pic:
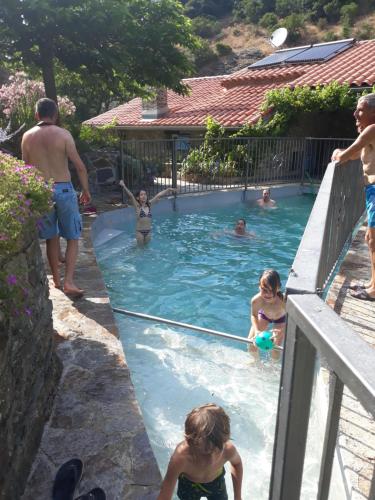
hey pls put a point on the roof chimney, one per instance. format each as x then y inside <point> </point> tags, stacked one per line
<point>155,107</point>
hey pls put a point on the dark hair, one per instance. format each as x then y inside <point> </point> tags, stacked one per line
<point>243,220</point>
<point>207,427</point>
<point>46,108</point>
<point>271,279</point>
<point>137,196</point>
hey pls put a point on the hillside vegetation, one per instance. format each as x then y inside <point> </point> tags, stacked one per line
<point>235,33</point>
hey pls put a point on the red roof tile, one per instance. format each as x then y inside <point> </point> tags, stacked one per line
<point>233,100</point>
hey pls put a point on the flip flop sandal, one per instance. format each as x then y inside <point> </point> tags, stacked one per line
<point>357,286</point>
<point>89,210</point>
<point>362,295</point>
<point>95,494</point>
<point>67,479</point>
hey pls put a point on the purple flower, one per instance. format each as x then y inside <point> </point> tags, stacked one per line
<point>28,202</point>
<point>12,279</point>
<point>28,311</point>
<point>4,237</point>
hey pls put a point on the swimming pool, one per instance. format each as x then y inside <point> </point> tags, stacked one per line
<point>194,272</point>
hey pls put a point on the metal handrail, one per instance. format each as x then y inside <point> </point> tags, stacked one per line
<point>314,329</point>
<point>188,326</point>
<point>329,227</point>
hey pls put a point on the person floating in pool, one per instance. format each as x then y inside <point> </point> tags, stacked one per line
<point>198,462</point>
<point>240,230</point>
<point>268,308</point>
<point>265,201</point>
<point>143,213</point>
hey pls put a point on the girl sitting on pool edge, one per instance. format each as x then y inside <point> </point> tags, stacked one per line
<point>268,306</point>
<point>142,207</point>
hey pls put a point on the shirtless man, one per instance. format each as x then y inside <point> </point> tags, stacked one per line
<point>49,147</point>
<point>364,148</point>
<point>265,201</point>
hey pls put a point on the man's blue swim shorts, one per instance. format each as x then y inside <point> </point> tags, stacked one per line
<point>64,219</point>
<point>370,205</point>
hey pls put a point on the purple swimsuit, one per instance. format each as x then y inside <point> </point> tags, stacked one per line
<point>262,315</point>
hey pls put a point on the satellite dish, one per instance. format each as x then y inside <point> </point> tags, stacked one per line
<point>278,37</point>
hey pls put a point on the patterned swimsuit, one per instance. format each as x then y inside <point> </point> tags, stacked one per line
<point>142,214</point>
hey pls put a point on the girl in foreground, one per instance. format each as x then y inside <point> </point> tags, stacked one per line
<point>143,213</point>
<point>198,462</point>
<point>268,306</point>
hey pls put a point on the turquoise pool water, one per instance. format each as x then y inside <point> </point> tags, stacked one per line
<point>194,272</point>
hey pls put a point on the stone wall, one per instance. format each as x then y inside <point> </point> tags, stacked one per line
<point>29,370</point>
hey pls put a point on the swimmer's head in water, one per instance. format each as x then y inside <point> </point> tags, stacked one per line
<point>270,284</point>
<point>240,227</point>
<point>266,195</point>
<point>141,197</point>
<point>206,428</point>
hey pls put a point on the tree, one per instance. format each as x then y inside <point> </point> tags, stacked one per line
<point>127,44</point>
<point>252,10</point>
<point>215,8</point>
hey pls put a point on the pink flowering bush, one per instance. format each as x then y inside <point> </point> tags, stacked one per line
<point>18,98</point>
<point>24,198</point>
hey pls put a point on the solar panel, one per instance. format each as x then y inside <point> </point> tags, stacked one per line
<point>321,52</point>
<point>278,57</point>
<point>308,53</point>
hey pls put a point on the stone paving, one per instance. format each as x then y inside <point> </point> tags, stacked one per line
<point>357,427</point>
<point>96,416</point>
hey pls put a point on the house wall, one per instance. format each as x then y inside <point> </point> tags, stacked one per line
<point>324,124</point>
<point>157,135</point>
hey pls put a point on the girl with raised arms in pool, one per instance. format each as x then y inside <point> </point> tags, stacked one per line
<point>268,308</point>
<point>143,213</point>
<point>197,463</point>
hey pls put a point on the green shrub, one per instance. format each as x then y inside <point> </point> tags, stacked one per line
<point>330,36</point>
<point>332,11</point>
<point>211,159</point>
<point>206,27</point>
<point>294,24</point>
<point>204,54</point>
<point>223,50</point>
<point>287,104</point>
<point>322,24</point>
<point>365,31</point>
<point>346,30</point>
<point>104,135</point>
<point>284,8</point>
<point>269,20</point>
<point>24,196</point>
<point>348,13</point>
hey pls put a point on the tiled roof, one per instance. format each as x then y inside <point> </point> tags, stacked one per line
<point>233,100</point>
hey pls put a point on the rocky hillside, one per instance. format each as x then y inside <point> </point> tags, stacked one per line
<point>236,45</point>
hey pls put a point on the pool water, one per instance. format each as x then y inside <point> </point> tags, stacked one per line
<point>194,271</point>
